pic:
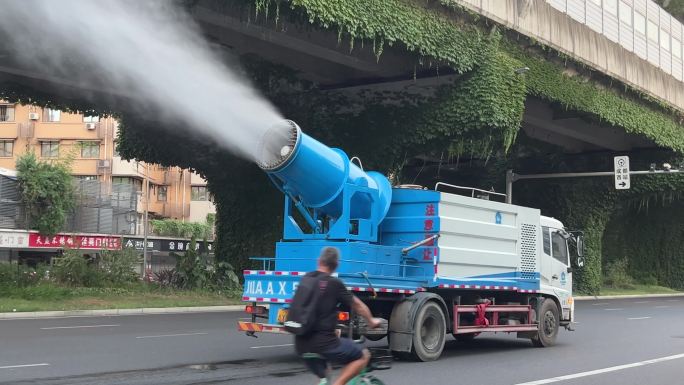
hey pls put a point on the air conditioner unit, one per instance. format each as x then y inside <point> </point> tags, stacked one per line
<point>103,163</point>
<point>34,116</point>
<point>91,126</point>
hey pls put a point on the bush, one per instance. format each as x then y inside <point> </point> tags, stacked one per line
<point>73,269</point>
<point>16,275</point>
<point>617,275</point>
<point>118,266</point>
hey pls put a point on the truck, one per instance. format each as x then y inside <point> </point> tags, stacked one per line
<point>429,262</point>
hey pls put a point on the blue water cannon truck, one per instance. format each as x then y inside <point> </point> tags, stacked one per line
<point>431,263</point>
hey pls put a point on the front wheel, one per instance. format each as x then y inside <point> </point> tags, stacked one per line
<point>549,322</point>
<point>429,332</point>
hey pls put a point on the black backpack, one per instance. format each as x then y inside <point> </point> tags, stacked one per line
<point>302,316</point>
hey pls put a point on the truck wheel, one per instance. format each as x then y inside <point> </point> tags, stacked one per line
<point>429,332</point>
<point>549,322</point>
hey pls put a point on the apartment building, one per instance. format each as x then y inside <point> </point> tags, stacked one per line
<point>90,141</point>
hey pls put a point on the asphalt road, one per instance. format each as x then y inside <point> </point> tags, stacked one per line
<point>627,342</point>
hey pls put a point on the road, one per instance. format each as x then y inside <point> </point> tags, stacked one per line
<point>626,341</point>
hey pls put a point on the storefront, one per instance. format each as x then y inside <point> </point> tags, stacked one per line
<point>162,251</point>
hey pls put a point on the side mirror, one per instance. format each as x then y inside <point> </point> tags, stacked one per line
<point>580,245</point>
<point>580,262</point>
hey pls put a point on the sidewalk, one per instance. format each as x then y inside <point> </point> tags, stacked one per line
<point>209,309</point>
<point>118,312</point>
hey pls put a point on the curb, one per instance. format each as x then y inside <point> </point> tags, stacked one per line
<point>118,312</point>
<point>592,297</point>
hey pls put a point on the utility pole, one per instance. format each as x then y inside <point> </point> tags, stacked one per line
<point>145,221</point>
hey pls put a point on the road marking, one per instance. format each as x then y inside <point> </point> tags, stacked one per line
<point>23,366</point>
<point>672,300</point>
<point>661,306</point>
<point>269,346</point>
<point>643,302</point>
<point>173,335</point>
<point>635,318</point>
<point>604,370</point>
<point>617,308</point>
<point>600,303</point>
<point>80,327</point>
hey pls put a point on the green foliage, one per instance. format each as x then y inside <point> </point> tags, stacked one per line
<point>547,80</point>
<point>72,269</point>
<point>424,31</point>
<point>617,275</point>
<point>46,191</point>
<point>177,228</point>
<point>118,266</point>
<point>15,275</point>
<point>651,240</point>
<point>195,271</point>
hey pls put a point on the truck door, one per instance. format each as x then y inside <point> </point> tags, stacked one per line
<point>556,262</point>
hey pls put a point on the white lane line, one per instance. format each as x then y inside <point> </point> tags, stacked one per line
<point>643,302</point>
<point>600,303</point>
<point>661,306</point>
<point>23,366</point>
<point>604,370</point>
<point>79,327</point>
<point>269,346</point>
<point>617,308</point>
<point>173,335</point>
<point>635,318</point>
<point>673,300</point>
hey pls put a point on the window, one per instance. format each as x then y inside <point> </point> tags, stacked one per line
<point>6,148</point>
<point>85,177</point>
<point>49,149</point>
<point>128,180</point>
<point>90,150</point>
<point>199,193</point>
<point>52,115</point>
<point>652,31</point>
<point>161,193</point>
<point>6,113</point>
<point>611,6</point>
<point>547,240</point>
<point>639,23</point>
<point>676,48</point>
<point>91,119</point>
<point>664,40</point>
<point>597,2</point>
<point>625,13</point>
<point>560,248</point>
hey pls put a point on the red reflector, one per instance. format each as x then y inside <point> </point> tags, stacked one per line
<point>342,316</point>
<point>250,309</point>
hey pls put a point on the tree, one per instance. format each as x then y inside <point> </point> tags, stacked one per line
<point>47,192</point>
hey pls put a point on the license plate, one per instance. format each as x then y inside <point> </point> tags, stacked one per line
<point>282,316</point>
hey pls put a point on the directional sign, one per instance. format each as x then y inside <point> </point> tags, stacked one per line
<point>622,179</point>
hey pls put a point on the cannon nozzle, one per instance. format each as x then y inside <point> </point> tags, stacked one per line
<point>278,145</point>
<point>317,176</point>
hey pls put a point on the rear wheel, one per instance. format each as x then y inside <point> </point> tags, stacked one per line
<point>549,322</point>
<point>429,332</point>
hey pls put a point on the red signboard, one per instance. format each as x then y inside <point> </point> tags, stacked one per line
<point>74,241</point>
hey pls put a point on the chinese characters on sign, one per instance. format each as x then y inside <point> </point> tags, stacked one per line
<point>94,242</point>
<point>622,179</point>
<point>173,245</point>
<point>9,239</point>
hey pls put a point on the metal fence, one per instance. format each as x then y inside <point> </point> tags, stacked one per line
<point>99,208</point>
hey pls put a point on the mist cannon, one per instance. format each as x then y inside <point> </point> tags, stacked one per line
<point>335,197</point>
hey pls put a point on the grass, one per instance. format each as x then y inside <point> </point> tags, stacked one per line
<point>52,297</point>
<point>638,289</point>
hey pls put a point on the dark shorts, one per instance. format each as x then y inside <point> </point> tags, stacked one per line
<point>346,352</point>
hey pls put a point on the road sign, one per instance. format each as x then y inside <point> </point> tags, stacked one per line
<point>622,179</point>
